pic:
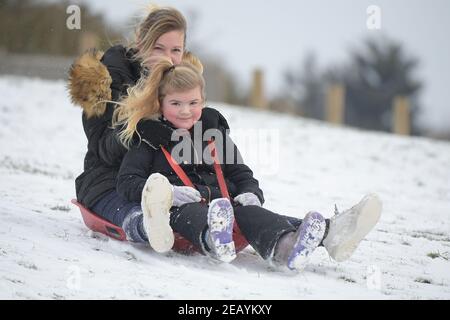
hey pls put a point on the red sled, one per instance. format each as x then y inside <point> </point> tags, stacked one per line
<point>181,245</point>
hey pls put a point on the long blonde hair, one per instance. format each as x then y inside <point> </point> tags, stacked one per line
<point>159,21</point>
<point>144,100</point>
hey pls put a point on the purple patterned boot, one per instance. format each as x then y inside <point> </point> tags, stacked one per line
<point>220,232</point>
<point>293,249</point>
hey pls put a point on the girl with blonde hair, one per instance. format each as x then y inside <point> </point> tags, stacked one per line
<point>201,199</point>
<point>98,77</point>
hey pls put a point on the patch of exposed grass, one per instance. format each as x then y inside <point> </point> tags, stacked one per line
<point>60,208</point>
<point>430,235</point>
<point>346,279</point>
<point>434,255</point>
<point>27,265</point>
<point>423,280</point>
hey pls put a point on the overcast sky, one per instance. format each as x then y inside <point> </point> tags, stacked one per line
<point>276,34</point>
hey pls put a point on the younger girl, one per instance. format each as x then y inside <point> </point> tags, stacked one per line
<point>203,213</point>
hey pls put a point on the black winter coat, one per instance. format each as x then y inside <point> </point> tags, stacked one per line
<point>105,152</point>
<point>146,158</point>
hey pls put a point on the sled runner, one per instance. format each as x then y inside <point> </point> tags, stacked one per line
<point>98,224</point>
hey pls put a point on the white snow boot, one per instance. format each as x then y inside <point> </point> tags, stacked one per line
<point>157,199</point>
<point>348,228</point>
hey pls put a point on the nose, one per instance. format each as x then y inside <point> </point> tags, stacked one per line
<point>185,109</point>
<point>168,55</point>
<point>172,57</point>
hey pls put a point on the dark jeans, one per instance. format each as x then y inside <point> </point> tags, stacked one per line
<point>122,213</point>
<point>261,228</point>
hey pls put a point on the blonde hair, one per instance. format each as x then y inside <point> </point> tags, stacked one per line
<point>144,100</point>
<point>159,21</point>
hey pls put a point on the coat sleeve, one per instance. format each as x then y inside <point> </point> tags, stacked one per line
<point>103,140</point>
<point>134,171</point>
<point>118,65</point>
<point>238,172</point>
<point>108,147</point>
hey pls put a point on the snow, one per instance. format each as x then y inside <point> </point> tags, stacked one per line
<point>46,252</point>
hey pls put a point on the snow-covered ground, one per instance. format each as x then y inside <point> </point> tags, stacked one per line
<point>46,252</point>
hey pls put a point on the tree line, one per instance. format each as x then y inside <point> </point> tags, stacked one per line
<point>376,72</point>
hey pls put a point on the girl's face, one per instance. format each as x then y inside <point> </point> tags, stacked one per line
<point>170,45</point>
<point>183,109</point>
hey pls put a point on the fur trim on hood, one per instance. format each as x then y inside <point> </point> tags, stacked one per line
<point>89,83</point>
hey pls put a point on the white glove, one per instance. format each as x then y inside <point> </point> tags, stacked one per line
<point>183,195</point>
<point>248,199</point>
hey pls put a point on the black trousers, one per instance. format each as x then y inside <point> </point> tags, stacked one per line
<point>260,227</point>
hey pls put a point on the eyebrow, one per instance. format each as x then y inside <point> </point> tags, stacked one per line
<point>193,100</point>
<point>161,45</point>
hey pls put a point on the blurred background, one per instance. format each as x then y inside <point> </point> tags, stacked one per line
<point>382,65</point>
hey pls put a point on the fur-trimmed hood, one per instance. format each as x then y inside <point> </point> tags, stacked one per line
<point>89,83</point>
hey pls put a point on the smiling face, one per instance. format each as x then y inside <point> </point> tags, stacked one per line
<point>170,45</point>
<point>183,109</point>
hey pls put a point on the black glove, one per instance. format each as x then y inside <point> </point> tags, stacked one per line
<point>154,132</point>
<point>213,119</point>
